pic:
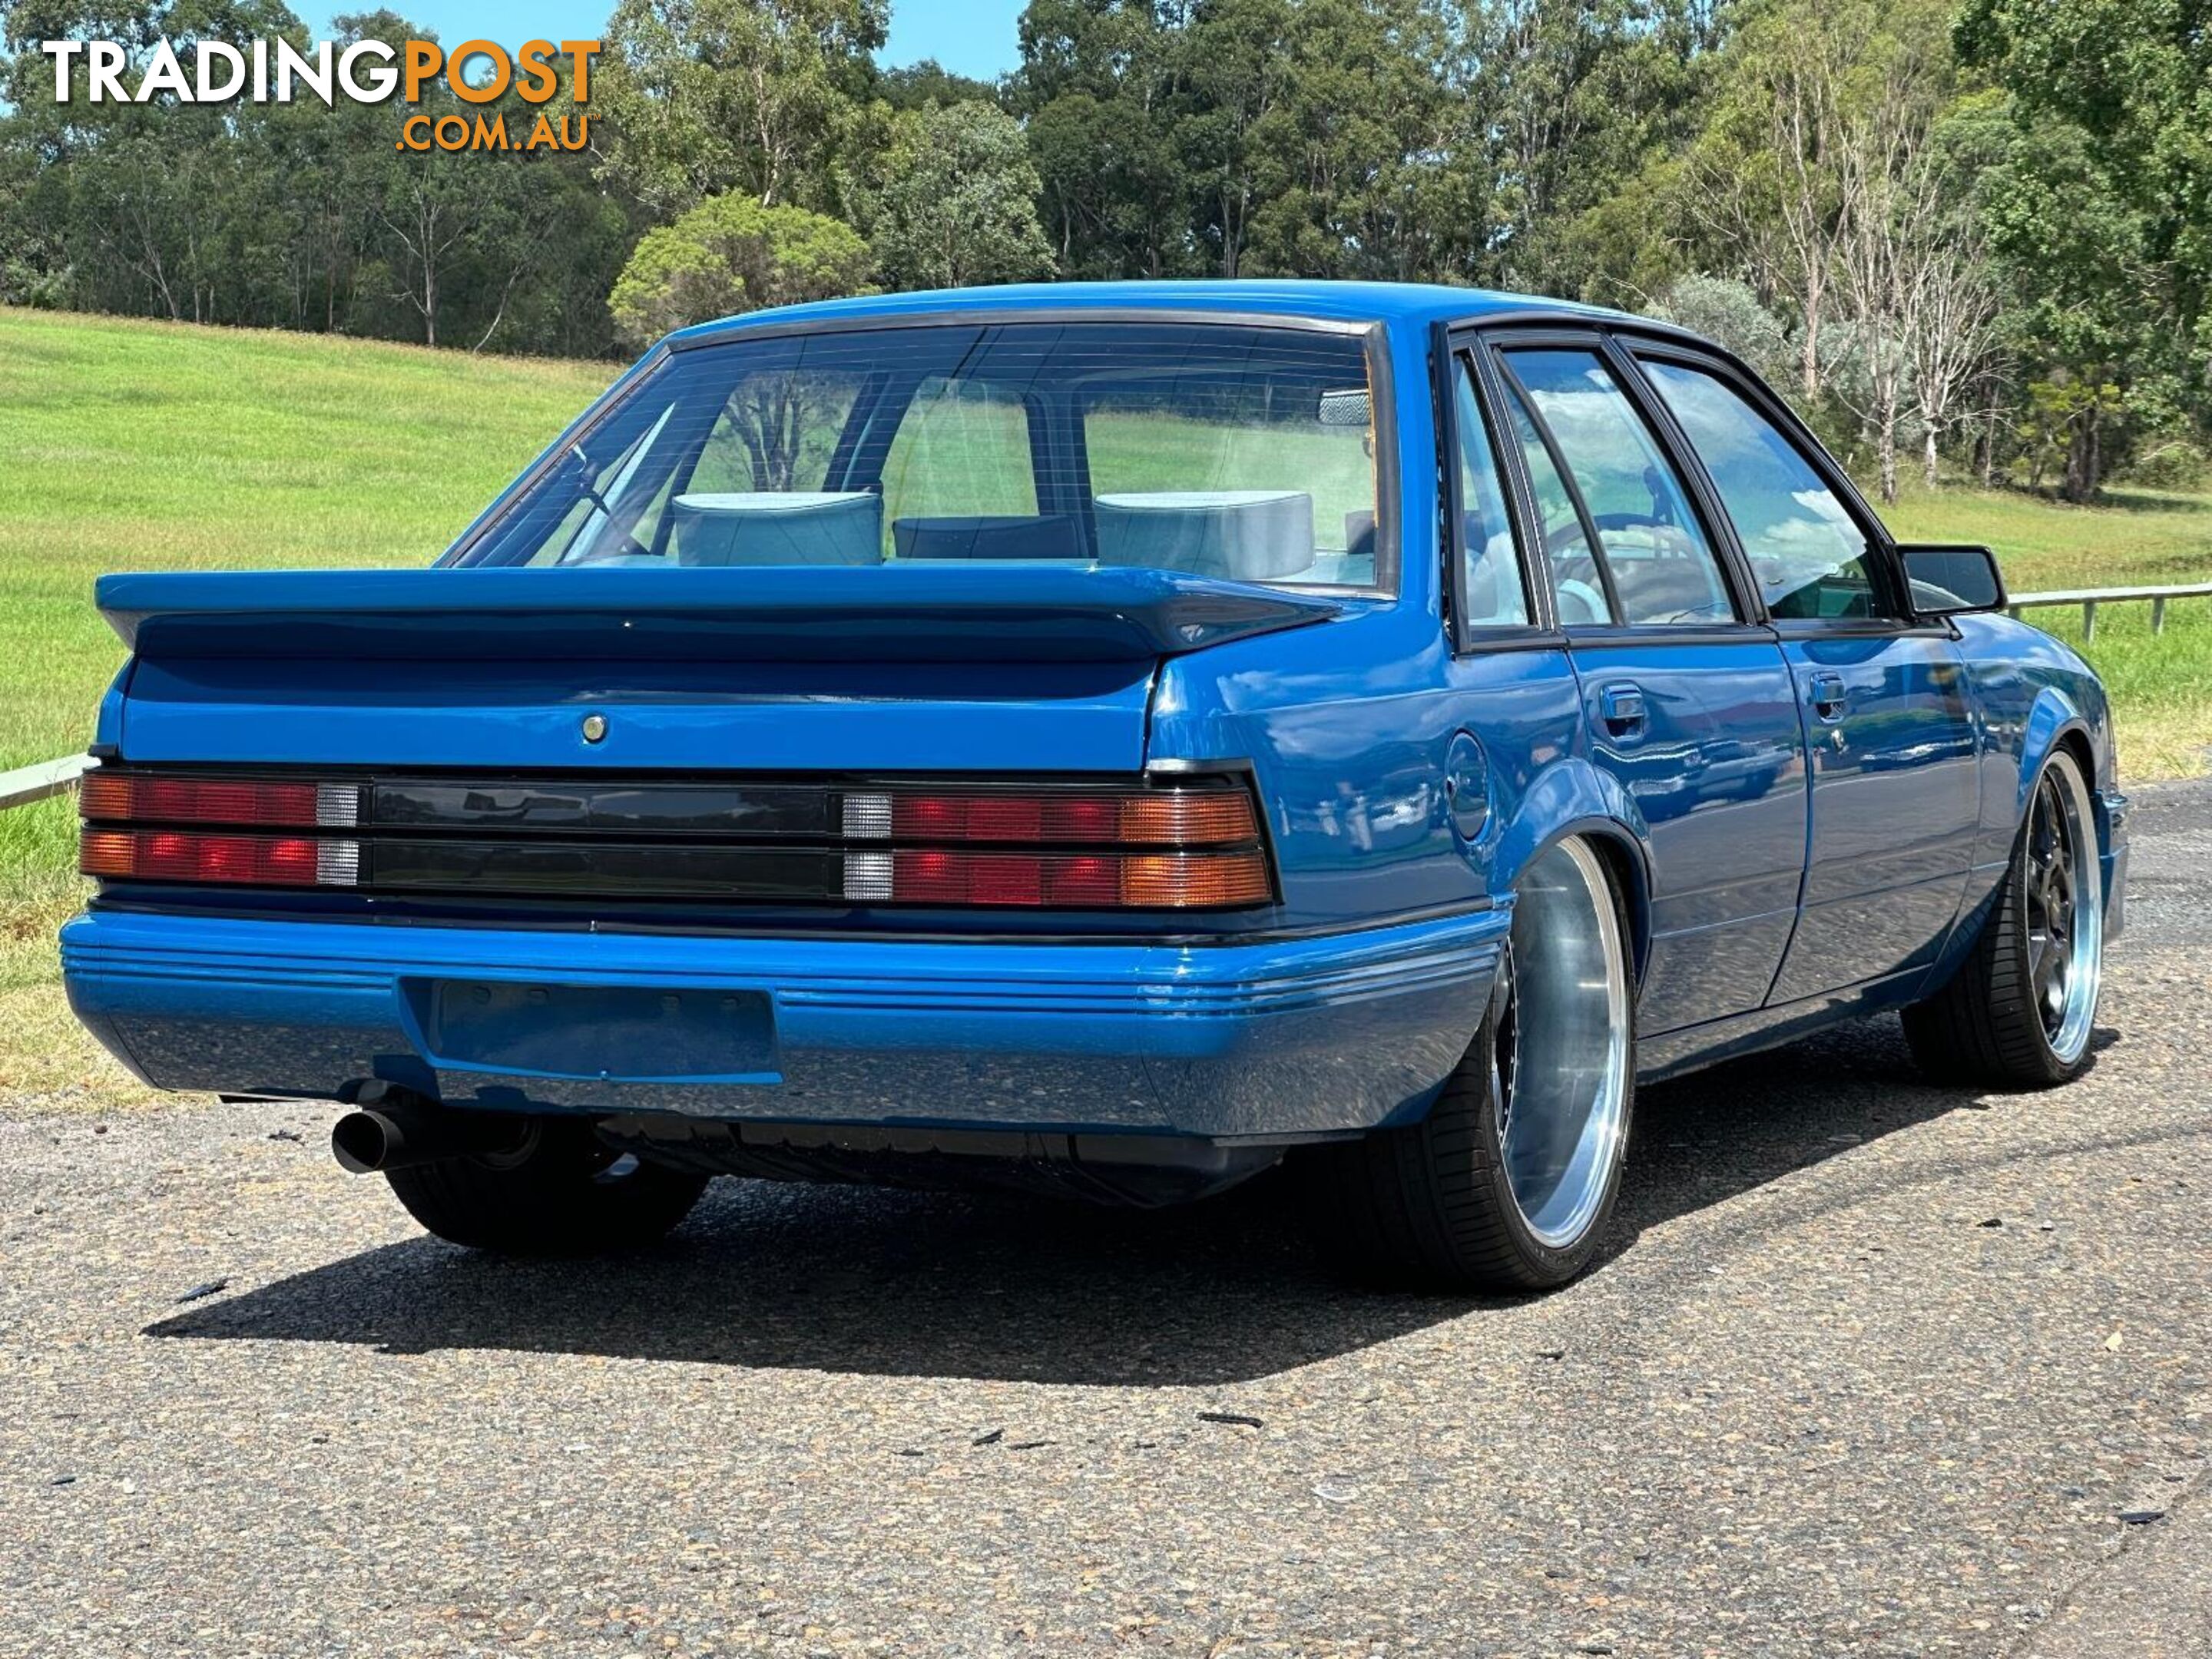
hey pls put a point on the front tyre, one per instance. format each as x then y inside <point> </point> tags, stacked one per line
<point>2019,1012</point>
<point>561,1192</point>
<point>1507,1184</point>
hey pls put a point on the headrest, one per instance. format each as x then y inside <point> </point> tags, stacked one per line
<point>991,537</point>
<point>1247,534</point>
<point>758,527</point>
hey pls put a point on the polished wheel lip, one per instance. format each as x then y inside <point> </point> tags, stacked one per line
<point>2062,919</point>
<point>1560,1120</point>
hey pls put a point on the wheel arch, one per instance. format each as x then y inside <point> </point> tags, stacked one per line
<point>2055,722</point>
<point>1574,798</point>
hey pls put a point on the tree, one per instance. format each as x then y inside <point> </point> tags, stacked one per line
<point>952,202</point>
<point>1763,176</point>
<point>2099,210</point>
<point>1346,157</point>
<point>293,216</point>
<point>1729,312</point>
<point>700,98</point>
<point>728,255</point>
<point>1574,99</point>
<point>1102,87</point>
<point>917,86</point>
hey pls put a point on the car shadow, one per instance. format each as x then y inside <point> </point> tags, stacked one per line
<point>857,1280</point>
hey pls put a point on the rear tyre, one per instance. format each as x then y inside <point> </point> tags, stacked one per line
<point>561,1193</point>
<point>2019,1012</point>
<point>1507,1184</point>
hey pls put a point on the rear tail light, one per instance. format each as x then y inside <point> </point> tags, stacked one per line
<point>1059,881</point>
<point>1196,844</point>
<point>1169,818</point>
<point>112,796</point>
<point>251,860</point>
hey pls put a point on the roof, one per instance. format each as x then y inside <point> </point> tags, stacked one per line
<point>1410,303</point>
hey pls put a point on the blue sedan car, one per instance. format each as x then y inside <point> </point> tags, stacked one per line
<point>1111,739</point>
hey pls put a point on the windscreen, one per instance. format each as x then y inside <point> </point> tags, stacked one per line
<point>1246,453</point>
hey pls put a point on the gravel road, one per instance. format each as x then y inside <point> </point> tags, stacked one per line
<point>1871,1368</point>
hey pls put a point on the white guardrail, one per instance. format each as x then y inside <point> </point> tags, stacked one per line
<point>2090,598</point>
<point>28,783</point>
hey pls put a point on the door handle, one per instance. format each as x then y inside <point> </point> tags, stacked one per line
<point>1828,695</point>
<point>1621,707</point>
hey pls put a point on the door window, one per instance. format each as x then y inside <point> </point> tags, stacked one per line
<point>1809,555</point>
<point>1491,594</point>
<point>1577,585</point>
<point>1663,567</point>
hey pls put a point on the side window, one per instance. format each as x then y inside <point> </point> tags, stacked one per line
<point>1577,583</point>
<point>962,450</point>
<point>1809,555</point>
<point>1490,589</point>
<point>1663,569</point>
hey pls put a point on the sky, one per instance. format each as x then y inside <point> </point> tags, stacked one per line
<point>968,37</point>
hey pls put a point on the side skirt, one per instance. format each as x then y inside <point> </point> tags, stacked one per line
<point>1693,1046</point>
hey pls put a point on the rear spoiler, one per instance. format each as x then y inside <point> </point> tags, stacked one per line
<point>918,612</point>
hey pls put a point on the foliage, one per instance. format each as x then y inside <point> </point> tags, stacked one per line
<point>1729,312</point>
<point>728,255</point>
<point>952,202</point>
<point>701,98</point>
<point>289,216</point>
<point>1982,229</point>
<point>2098,200</point>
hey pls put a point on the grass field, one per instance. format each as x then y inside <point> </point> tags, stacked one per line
<point>143,446</point>
<point>2161,685</point>
<point>135,445</point>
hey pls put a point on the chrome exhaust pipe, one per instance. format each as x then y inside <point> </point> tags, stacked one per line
<point>370,1139</point>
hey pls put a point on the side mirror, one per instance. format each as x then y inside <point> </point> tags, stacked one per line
<point>1953,581</point>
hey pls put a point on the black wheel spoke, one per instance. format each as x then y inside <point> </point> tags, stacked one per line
<point>2023,1007</point>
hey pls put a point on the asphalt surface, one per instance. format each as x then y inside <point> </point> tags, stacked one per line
<point>1871,1368</point>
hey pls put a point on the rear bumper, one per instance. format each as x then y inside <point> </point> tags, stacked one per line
<point>1277,1039</point>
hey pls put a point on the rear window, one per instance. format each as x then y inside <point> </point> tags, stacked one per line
<point>1229,451</point>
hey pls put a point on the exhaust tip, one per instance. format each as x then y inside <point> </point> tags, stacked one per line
<point>363,1142</point>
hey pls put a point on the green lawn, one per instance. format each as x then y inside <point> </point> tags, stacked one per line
<point>2161,684</point>
<point>153,446</point>
<point>133,445</point>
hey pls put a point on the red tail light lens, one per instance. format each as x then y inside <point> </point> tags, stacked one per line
<point>1165,817</point>
<point>254,860</point>
<point>121,798</point>
<point>1057,880</point>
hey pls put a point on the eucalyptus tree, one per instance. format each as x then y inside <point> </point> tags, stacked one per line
<point>697,97</point>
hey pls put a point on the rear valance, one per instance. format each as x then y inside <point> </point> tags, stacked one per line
<point>928,613</point>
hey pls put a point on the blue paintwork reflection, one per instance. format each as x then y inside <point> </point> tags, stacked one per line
<point>1896,805</point>
<point>1706,743</point>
